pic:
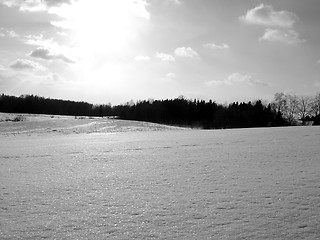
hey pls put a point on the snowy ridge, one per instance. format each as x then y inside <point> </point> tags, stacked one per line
<point>49,124</point>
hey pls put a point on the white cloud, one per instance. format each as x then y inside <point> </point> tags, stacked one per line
<point>186,52</point>
<point>48,54</point>
<point>216,46</point>
<point>62,33</point>
<point>238,78</point>
<point>171,75</point>
<point>25,64</point>
<point>139,8</point>
<point>54,77</point>
<point>267,16</point>
<point>214,82</point>
<point>34,5</point>
<point>281,22</point>
<point>318,62</point>
<point>169,3</point>
<point>142,58</point>
<point>243,78</point>
<point>2,68</point>
<point>63,24</point>
<point>165,57</point>
<point>57,2</point>
<point>49,49</point>
<point>30,5</point>
<point>8,33</point>
<point>286,36</point>
<point>38,40</point>
<point>175,2</point>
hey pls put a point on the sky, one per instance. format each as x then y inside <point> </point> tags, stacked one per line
<point>114,51</point>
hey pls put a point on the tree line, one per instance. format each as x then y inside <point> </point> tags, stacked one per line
<point>294,108</point>
<point>285,110</point>
<point>200,113</point>
<point>40,105</point>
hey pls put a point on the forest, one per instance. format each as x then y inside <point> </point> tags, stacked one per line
<point>40,105</point>
<point>284,110</point>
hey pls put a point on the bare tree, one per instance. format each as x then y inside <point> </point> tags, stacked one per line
<point>315,105</point>
<point>291,108</point>
<point>280,102</point>
<point>304,107</point>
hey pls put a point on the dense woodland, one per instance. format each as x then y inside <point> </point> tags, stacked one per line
<point>199,113</point>
<point>40,105</point>
<point>283,111</point>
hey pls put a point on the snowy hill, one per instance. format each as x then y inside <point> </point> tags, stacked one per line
<point>57,124</point>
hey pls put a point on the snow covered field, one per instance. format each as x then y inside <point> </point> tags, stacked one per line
<point>67,178</point>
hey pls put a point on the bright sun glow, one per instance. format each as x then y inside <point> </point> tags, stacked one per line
<point>102,26</point>
<point>101,32</point>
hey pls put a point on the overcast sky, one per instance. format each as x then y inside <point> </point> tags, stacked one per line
<point>113,51</point>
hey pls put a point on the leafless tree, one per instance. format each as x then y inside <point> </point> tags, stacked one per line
<point>304,107</point>
<point>315,105</point>
<point>280,102</point>
<point>291,108</point>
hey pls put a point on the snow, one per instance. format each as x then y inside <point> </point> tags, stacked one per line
<point>99,178</point>
<point>48,124</point>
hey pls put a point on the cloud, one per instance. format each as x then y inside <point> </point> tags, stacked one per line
<point>139,8</point>
<point>285,36</point>
<point>186,52</point>
<point>25,64</point>
<point>281,22</point>
<point>215,46</point>
<point>38,40</point>
<point>34,5</point>
<point>56,2</point>
<point>165,57</point>
<point>48,49</point>
<point>171,75</point>
<point>63,24</point>
<point>142,58</point>
<point>54,77</point>
<point>2,68</point>
<point>47,54</point>
<point>243,78</point>
<point>267,16</point>
<point>30,5</point>
<point>8,33</point>
<point>175,2</point>
<point>238,78</point>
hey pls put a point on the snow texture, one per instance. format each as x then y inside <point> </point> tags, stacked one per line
<point>67,178</point>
